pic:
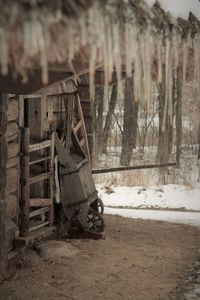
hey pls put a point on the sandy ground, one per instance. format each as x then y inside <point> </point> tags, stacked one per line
<point>138,260</point>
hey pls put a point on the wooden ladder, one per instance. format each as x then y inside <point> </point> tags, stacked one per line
<point>36,212</point>
<point>78,127</point>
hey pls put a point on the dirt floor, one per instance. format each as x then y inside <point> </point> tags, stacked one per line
<point>138,260</point>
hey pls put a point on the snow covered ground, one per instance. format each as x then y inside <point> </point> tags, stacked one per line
<point>173,203</point>
<point>169,196</point>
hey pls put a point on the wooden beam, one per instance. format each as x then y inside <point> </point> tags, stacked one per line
<point>3,162</point>
<point>25,183</point>
<point>120,169</point>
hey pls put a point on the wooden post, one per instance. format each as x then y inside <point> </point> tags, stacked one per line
<point>25,182</point>
<point>51,179</point>
<point>3,161</point>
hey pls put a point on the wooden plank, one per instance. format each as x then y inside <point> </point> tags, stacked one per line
<point>39,146</point>
<point>44,233</point>
<point>40,177</point>
<point>69,108</point>
<point>38,226</point>
<point>13,149</point>
<point>13,112</point>
<point>12,180</point>
<point>21,125</point>
<point>78,126</point>
<point>3,161</point>
<point>21,111</point>
<point>11,206</point>
<point>12,131</point>
<point>39,202</point>
<point>66,86</point>
<point>10,232</point>
<point>36,161</point>
<point>86,145</point>
<point>12,162</point>
<point>121,169</point>
<point>39,211</point>
<point>58,119</point>
<point>25,184</point>
<point>56,102</point>
<point>51,181</point>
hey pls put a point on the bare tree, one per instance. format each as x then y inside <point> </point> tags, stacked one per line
<point>108,121</point>
<point>178,122</point>
<point>98,118</point>
<point>129,137</point>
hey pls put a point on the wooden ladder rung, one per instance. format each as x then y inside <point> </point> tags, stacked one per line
<point>39,202</point>
<point>38,212</point>
<point>40,177</point>
<point>39,160</point>
<point>38,226</point>
<point>39,146</point>
<point>78,125</point>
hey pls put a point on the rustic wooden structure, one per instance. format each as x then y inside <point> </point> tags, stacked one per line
<point>27,160</point>
<point>52,47</point>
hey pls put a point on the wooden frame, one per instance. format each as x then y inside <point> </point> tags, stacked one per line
<point>3,161</point>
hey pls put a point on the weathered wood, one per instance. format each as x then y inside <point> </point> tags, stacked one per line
<point>39,177</point>
<point>21,111</point>
<point>39,211</point>
<point>21,125</point>
<point>63,87</point>
<point>3,161</point>
<point>3,122</point>
<point>69,111</point>
<point>11,206</point>
<point>121,169</point>
<point>39,160</point>
<point>12,131</point>
<point>12,162</point>
<point>84,141</point>
<point>13,112</point>
<point>38,226</point>
<point>39,202</point>
<point>78,126</point>
<point>13,149</point>
<point>13,154</point>
<point>25,182</point>
<point>50,217</point>
<point>58,119</point>
<point>38,146</point>
<point>56,103</point>
<point>3,152</point>
<point>12,180</point>
<point>10,232</point>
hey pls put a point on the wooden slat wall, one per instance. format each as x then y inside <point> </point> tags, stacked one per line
<point>12,169</point>
<point>56,110</point>
<point>3,160</point>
